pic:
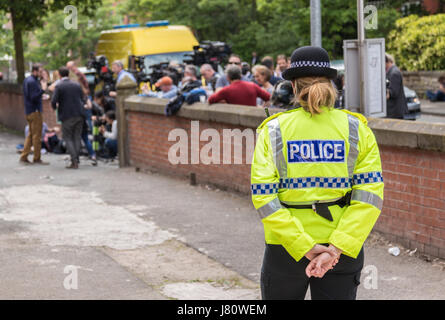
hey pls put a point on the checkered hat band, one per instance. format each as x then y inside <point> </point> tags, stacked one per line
<point>319,64</point>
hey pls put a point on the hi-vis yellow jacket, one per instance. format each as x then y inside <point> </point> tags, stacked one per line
<point>300,159</point>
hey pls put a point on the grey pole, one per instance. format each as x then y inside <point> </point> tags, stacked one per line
<point>315,23</point>
<point>362,53</point>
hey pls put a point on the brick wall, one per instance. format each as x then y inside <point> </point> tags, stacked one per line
<point>414,205</point>
<point>12,108</point>
<point>148,147</point>
<point>421,81</point>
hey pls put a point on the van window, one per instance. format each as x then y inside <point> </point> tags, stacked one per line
<point>153,59</point>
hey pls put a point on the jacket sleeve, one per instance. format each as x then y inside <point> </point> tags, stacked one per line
<point>217,96</point>
<point>263,94</point>
<point>55,98</point>
<point>34,91</point>
<point>366,199</point>
<point>395,85</point>
<point>285,228</point>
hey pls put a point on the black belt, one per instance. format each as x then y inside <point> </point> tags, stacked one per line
<point>322,209</point>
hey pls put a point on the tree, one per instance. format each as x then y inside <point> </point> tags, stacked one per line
<point>419,43</point>
<point>26,15</point>
<point>267,27</point>
<point>6,39</point>
<point>58,45</point>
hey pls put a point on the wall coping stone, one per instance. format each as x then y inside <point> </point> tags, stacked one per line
<point>388,132</point>
<point>424,73</point>
<point>11,87</point>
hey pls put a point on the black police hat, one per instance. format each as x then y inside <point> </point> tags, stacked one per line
<point>310,62</point>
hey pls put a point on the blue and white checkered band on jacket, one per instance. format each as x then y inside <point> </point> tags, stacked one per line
<point>320,64</point>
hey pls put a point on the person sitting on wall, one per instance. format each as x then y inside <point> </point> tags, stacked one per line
<point>239,92</point>
<point>167,89</point>
<point>440,94</point>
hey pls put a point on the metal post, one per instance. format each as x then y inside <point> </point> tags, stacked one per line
<point>315,23</point>
<point>362,53</point>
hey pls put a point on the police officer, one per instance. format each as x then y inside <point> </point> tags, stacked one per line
<point>317,185</point>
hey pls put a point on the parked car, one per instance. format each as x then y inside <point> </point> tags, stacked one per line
<point>413,105</point>
<point>412,99</point>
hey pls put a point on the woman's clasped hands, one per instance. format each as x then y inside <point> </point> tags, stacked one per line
<point>322,259</point>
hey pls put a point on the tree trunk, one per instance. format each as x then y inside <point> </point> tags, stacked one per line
<point>18,45</point>
<point>253,9</point>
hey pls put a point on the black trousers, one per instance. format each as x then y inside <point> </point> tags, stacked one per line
<point>283,278</point>
<point>72,132</point>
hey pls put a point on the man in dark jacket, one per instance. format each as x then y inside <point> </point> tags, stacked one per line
<point>69,99</point>
<point>396,105</point>
<point>32,95</point>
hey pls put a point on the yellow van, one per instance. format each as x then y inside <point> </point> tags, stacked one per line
<point>157,41</point>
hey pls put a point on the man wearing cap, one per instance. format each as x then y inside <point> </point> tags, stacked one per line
<point>316,181</point>
<point>167,89</point>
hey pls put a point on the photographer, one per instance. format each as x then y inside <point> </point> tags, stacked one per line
<point>190,77</point>
<point>118,68</point>
<point>210,76</point>
<point>167,89</point>
<point>105,103</point>
<point>110,136</point>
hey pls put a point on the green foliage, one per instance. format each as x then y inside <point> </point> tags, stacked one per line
<point>29,14</point>
<point>55,42</point>
<point>419,43</point>
<point>265,26</point>
<point>6,39</point>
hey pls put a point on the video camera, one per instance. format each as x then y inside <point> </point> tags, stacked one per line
<point>137,68</point>
<point>163,69</point>
<point>103,73</point>
<point>211,52</point>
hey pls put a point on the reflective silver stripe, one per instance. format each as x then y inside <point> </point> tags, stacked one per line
<point>367,197</point>
<point>296,203</point>
<point>353,143</point>
<point>276,141</point>
<point>270,208</point>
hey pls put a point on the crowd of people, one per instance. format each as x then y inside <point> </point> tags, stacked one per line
<point>259,84</point>
<point>84,117</point>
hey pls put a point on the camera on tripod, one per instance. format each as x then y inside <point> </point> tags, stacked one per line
<point>103,72</point>
<point>137,68</point>
<point>212,52</point>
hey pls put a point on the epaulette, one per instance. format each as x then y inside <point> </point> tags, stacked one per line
<point>361,117</point>
<point>276,115</point>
